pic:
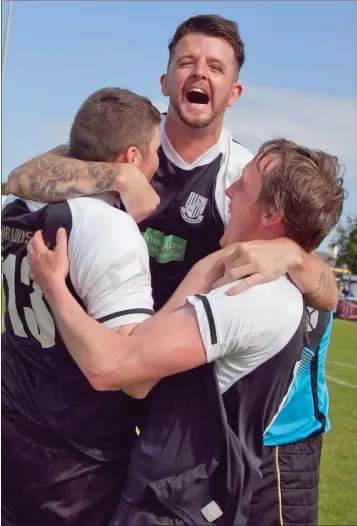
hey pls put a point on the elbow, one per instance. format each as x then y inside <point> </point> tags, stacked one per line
<point>108,371</point>
<point>334,300</point>
<point>140,395</point>
<point>138,392</point>
<point>105,383</point>
<point>12,184</point>
<point>102,379</point>
<point>99,383</point>
<point>330,303</point>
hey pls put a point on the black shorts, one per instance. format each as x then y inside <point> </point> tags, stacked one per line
<point>43,483</point>
<point>289,490</point>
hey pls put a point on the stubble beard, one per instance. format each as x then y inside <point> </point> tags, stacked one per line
<point>199,124</point>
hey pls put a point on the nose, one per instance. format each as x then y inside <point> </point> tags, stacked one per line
<point>229,191</point>
<point>200,69</point>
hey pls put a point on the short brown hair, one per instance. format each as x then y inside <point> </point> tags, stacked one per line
<point>212,26</point>
<point>306,187</point>
<point>110,121</point>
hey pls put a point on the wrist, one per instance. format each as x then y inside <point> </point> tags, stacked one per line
<point>57,293</point>
<point>296,259</point>
<point>123,177</point>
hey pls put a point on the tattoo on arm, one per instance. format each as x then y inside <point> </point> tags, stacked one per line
<point>55,177</point>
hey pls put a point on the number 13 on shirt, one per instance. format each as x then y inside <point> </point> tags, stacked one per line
<point>39,321</point>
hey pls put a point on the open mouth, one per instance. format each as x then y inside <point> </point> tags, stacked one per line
<point>197,96</point>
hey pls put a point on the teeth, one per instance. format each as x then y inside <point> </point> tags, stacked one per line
<point>198,90</point>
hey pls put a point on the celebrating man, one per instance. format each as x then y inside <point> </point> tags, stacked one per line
<point>66,447</point>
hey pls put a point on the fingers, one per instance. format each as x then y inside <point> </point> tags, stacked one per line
<point>245,284</point>
<point>36,243</point>
<point>231,251</point>
<point>61,242</point>
<point>239,254</point>
<point>37,239</point>
<point>232,274</point>
<point>32,276</point>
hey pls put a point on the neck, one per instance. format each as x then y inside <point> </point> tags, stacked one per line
<point>269,234</point>
<point>190,143</point>
<point>261,234</point>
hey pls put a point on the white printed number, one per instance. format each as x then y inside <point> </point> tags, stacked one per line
<point>39,320</point>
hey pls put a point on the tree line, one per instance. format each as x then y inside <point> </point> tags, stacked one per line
<point>346,240</point>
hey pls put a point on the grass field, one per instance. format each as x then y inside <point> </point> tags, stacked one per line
<point>338,482</point>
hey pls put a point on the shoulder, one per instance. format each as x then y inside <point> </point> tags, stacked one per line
<point>99,213</point>
<point>249,328</point>
<point>275,304</point>
<point>234,158</point>
<point>97,222</point>
<point>108,256</point>
<point>90,206</point>
<point>273,308</point>
<point>238,155</point>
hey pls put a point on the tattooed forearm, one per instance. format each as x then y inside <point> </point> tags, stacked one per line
<point>55,177</point>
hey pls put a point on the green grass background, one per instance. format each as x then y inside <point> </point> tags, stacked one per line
<point>338,481</point>
<point>338,478</point>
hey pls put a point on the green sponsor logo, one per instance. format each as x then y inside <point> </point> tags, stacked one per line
<point>164,248</point>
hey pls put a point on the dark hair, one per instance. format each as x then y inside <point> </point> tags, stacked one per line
<point>212,26</point>
<point>110,121</point>
<point>306,187</point>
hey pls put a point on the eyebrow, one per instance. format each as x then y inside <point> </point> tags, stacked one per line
<point>216,60</point>
<point>185,56</point>
<point>191,57</point>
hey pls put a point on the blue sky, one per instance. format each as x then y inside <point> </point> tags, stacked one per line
<point>300,75</point>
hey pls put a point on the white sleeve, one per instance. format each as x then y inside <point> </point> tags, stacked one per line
<point>253,325</point>
<point>109,264</point>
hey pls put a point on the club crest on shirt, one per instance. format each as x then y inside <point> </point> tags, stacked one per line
<point>194,207</point>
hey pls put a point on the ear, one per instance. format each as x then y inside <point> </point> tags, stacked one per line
<point>132,155</point>
<point>237,91</point>
<point>272,218</point>
<point>164,85</point>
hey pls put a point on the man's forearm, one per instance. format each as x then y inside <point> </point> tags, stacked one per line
<point>199,280</point>
<point>114,362</point>
<point>316,281</point>
<point>55,177</point>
